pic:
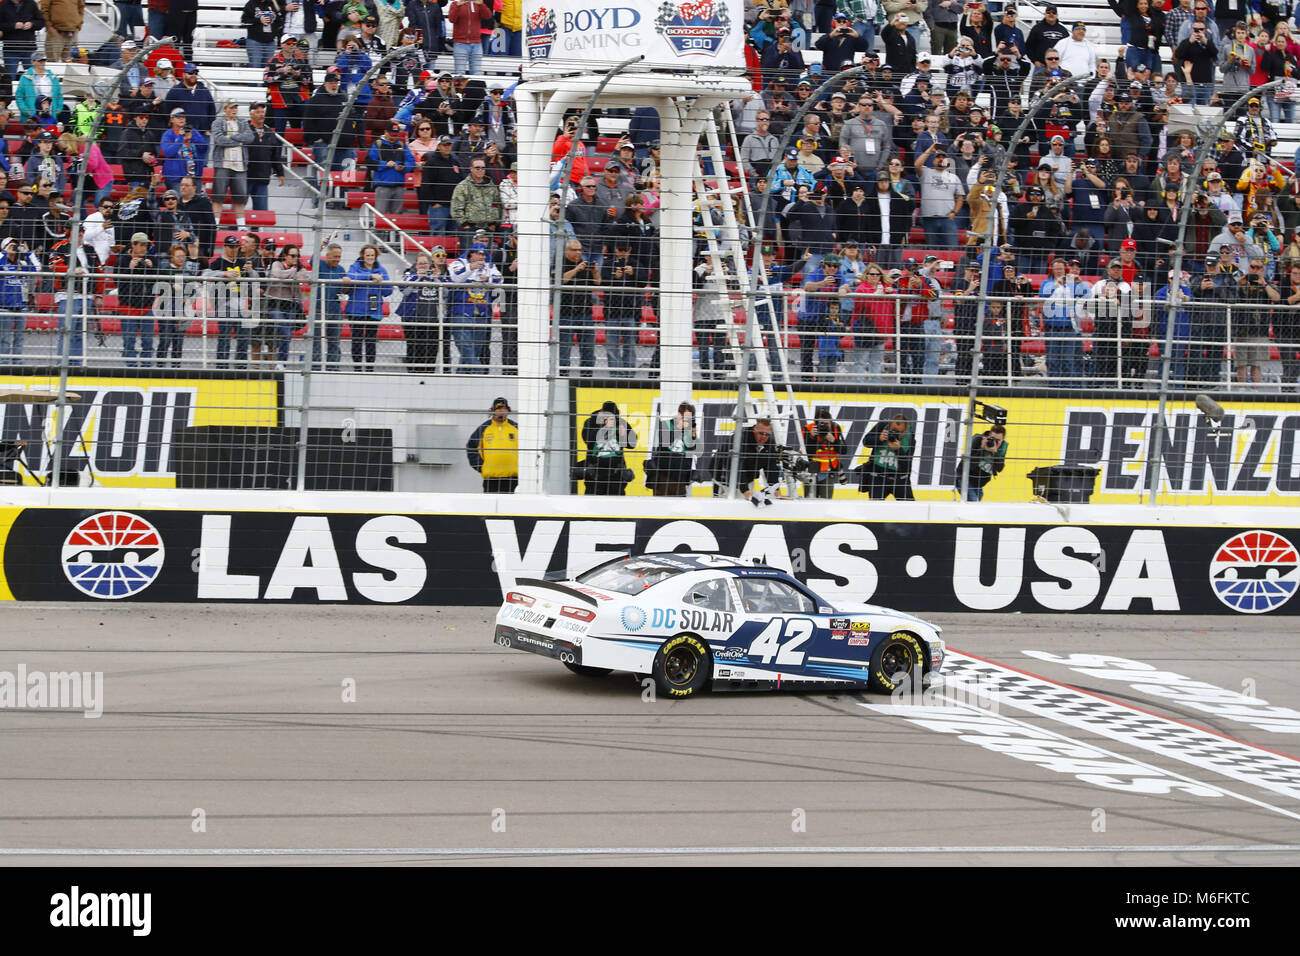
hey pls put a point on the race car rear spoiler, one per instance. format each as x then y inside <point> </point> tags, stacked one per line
<point>552,586</point>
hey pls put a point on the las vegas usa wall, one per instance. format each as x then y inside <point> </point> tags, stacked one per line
<point>108,544</point>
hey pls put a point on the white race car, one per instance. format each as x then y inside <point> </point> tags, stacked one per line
<point>704,620</point>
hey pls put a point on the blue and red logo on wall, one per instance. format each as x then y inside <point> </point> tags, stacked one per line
<point>112,555</point>
<point>1255,572</point>
<point>694,29</point>
<point>539,33</point>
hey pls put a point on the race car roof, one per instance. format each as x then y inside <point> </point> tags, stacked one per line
<point>698,561</point>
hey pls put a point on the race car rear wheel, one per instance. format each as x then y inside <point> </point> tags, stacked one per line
<point>682,666</point>
<point>588,671</point>
<point>896,657</point>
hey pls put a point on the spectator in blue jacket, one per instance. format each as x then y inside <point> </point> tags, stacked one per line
<point>471,307</point>
<point>36,82</point>
<point>13,300</point>
<point>392,160</point>
<point>184,149</point>
<point>328,321</point>
<point>1064,301</point>
<point>367,284</point>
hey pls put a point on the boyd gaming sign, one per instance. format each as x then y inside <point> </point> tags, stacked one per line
<point>682,34</point>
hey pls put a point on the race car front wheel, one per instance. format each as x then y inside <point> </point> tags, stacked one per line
<point>588,671</point>
<point>896,657</point>
<point>682,666</point>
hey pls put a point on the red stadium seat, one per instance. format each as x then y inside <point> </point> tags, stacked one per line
<point>358,199</point>
<point>259,217</point>
<point>648,337</point>
<point>409,223</point>
<point>348,179</point>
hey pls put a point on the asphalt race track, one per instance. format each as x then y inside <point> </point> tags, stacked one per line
<point>231,720</point>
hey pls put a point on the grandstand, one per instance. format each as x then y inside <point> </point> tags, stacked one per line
<point>352,218</point>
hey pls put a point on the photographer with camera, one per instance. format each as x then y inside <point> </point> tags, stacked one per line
<point>606,434</point>
<point>988,456</point>
<point>888,471</point>
<point>824,444</point>
<point>758,455</point>
<point>668,469</point>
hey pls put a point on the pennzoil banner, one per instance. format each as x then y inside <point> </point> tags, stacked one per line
<point>1251,457</point>
<point>278,556</point>
<point>120,430</point>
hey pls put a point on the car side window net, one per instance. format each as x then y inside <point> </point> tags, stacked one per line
<point>711,595</point>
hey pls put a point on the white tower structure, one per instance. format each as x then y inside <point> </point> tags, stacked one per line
<point>693,62</point>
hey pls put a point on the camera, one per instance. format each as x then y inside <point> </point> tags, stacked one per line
<point>793,463</point>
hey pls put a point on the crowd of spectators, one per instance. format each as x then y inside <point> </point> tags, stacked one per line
<point>871,216</point>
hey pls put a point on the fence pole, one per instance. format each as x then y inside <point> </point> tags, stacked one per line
<point>318,227</point>
<point>1008,153</point>
<point>1210,133</point>
<point>74,247</point>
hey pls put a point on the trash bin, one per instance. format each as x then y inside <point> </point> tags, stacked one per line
<point>1062,484</point>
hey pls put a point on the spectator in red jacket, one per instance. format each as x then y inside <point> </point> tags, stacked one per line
<point>467,19</point>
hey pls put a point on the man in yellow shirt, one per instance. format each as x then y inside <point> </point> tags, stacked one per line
<point>493,450</point>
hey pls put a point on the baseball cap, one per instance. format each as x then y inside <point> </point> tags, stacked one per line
<point>1253,101</point>
<point>178,112</point>
<point>923,58</point>
<point>911,264</point>
<point>1115,263</point>
<point>613,166</point>
<point>1079,25</point>
<point>395,127</point>
<point>171,194</point>
<point>1128,244</point>
<point>126,45</point>
<point>140,237</point>
<point>1050,8</point>
<point>445,139</point>
<point>189,68</point>
<point>1124,97</point>
<point>38,55</point>
<point>371,20</point>
<point>792,154</point>
<point>288,38</point>
<point>841,15</point>
<point>1034,191</point>
<point>820,189</point>
<point>1234,216</point>
<point>499,402</point>
<point>830,259</point>
<point>1214,177</point>
<point>839,161</point>
<point>807,83</point>
<point>163,64</point>
<point>333,71</point>
<point>232,241</point>
<point>479,247</point>
<point>1135,85</point>
<point>882,175</point>
<point>147,81</point>
<point>839,95</point>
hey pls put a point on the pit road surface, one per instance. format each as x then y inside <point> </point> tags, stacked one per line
<point>458,751</point>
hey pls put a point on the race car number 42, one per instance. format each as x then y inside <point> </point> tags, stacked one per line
<point>781,639</point>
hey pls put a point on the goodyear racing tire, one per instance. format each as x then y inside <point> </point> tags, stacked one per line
<point>682,666</point>
<point>588,671</point>
<point>895,658</point>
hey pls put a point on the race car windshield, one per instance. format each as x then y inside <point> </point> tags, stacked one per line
<point>630,577</point>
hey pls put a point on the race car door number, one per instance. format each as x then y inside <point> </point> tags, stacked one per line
<point>781,639</point>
